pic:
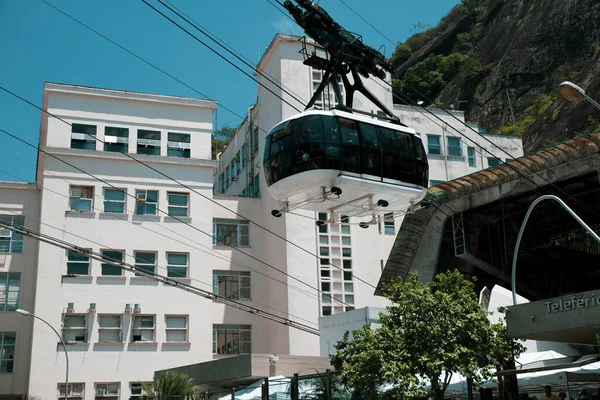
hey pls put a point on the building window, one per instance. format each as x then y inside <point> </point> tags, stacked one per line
<point>326,99</point>
<point>81,198</point>
<point>231,232</point>
<point>454,147</point>
<point>244,156</point>
<point>74,328</point>
<point>146,202</point>
<point>471,156</point>
<point>7,351</point>
<point>148,142</point>
<point>10,288</point>
<point>145,261</point>
<point>232,169</point>
<point>75,392</point>
<point>137,390</point>
<point>116,139</point>
<point>238,163</point>
<point>10,241</point>
<point>232,339</point>
<point>178,145</point>
<point>222,183</point>
<point>177,265</point>
<point>176,328</point>
<point>77,263</point>
<point>178,204</point>
<point>107,391</point>
<point>256,184</point>
<point>142,328</point>
<point>109,329</point>
<point>493,161</point>
<point>433,144</point>
<point>115,256</point>
<point>433,182</point>
<point>114,200</point>
<point>255,141</point>
<point>83,137</point>
<point>335,267</point>
<point>388,224</point>
<point>228,177</point>
<point>232,284</point>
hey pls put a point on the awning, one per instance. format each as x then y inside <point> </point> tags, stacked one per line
<point>554,364</point>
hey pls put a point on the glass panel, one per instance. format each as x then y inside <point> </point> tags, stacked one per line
<point>351,160</point>
<point>433,144</point>
<point>177,272</point>
<point>152,135</point>
<point>176,336</point>
<point>454,148</point>
<point>114,207</point>
<point>371,150</point>
<point>177,259</point>
<point>179,137</point>
<point>346,240</point>
<point>113,194</point>
<point>110,321</point>
<point>176,322</point>
<point>145,257</point>
<point>178,199</point>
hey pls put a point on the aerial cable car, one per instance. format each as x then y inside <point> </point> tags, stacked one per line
<point>343,161</point>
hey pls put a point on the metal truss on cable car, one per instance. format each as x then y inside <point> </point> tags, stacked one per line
<point>343,161</point>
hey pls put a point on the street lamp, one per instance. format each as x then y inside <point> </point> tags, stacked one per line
<point>28,314</point>
<point>572,92</point>
<point>520,235</point>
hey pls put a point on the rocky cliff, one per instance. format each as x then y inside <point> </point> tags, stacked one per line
<point>486,53</point>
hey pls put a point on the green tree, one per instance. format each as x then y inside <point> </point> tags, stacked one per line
<point>430,332</point>
<point>172,386</point>
<point>221,138</point>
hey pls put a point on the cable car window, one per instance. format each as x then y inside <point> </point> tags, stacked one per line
<point>350,146</point>
<point>331,130</point>
<point>391,158</point>
<point>371,149</point>
<point>310,151</point>
<point>278,150</point>
<point>408,166</point>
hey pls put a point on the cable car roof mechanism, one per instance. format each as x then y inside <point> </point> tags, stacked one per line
<point>342,161</point>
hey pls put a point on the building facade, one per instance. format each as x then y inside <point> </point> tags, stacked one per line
<point>129,176</point>
<point>19,205</point>
<point>351,258</point>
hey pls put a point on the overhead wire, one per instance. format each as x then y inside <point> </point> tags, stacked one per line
<point>229,49</point>
<point>158,266</point>
<point>166,213</point>
<point>368,23</point>
<point>220,55</point>
<point>123,217</point>
<point>203,95</point>
<point>157,277</point>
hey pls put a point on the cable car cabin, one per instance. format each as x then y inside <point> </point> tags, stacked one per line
<point>335,161</point>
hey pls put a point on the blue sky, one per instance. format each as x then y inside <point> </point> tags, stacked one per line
<point>40,44</point>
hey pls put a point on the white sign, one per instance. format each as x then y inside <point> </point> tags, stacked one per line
<point>574,303</point>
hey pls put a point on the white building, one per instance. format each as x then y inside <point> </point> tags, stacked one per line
<point>19,205</point>
<point>360,253</point>
<point>161,214</point>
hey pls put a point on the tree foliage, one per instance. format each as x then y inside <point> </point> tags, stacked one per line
<point>221,138</point>
<point>171,384</point>
<point>430,332</point>
<point>429,76</point>
<point>531,113</point>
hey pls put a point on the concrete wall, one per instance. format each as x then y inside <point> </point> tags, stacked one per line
<point>19,199</point>
<point>334,327</point>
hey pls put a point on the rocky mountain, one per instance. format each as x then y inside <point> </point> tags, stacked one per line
<point>488,55</point>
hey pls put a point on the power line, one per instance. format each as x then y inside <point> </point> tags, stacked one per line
<point>226,47</point>
<point>220,55</point>
<point>368,23</point>
<point>159,278</point>
<point>186,85</point>
<point>124,218</point>
<point>501,149</point>
<point>162,211</point>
